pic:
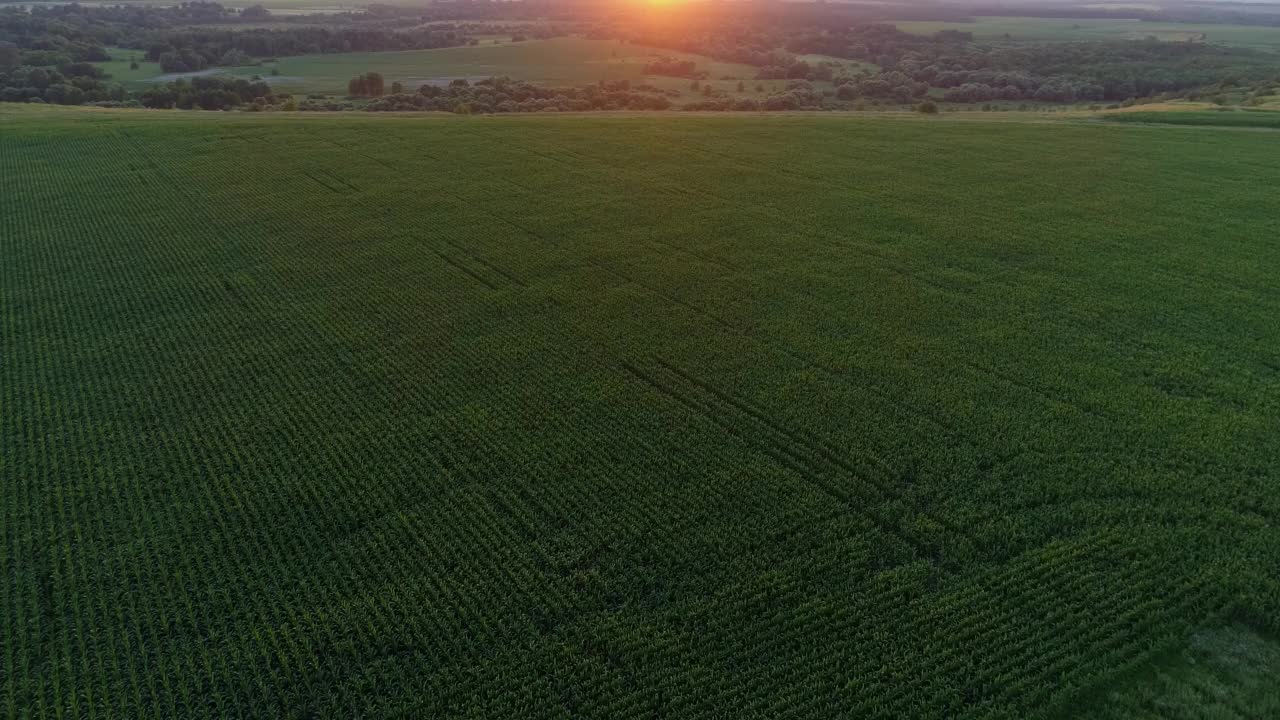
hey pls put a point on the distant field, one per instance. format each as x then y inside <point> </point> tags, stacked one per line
<point>660,415</point>
<point>560,61</point>
<point>1056,29</point>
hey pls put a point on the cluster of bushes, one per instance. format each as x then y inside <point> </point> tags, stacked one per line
<point>186,60</point>
<point>209,93</point>
<point>673,67</point>
<point>797,70</point>
<point>798,95</point>
<point>890,85</point>
<point>180,61</point>
<point>504,95</point>
<point>52,77</point>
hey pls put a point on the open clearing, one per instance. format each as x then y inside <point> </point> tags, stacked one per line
<point>120,71</point>
<point>644,416</point>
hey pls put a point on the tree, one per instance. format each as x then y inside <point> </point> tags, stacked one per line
<point>234,58</point>
<point>39,78</point>
<point>155,50</point>
<point>366,85</point>
<point>171,62</point>
<point>928,107</point>
<point>90,53</point>
<point>182,61</point>
<point>799,70</point>
<point>160,96</point>
<point>9,55</point>
<point>397,87</point>
<point>62,94</point>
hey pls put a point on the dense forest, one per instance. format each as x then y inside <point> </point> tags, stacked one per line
<point>46,56</point>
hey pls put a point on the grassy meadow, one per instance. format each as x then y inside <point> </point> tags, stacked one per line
<point>658,415</point>
<point>120,71</point>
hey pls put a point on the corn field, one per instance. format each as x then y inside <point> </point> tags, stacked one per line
<point>685,417</point>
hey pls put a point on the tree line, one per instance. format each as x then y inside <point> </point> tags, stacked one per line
<point>674,67</point>
<point>504,95</point>
<point>209,93</point>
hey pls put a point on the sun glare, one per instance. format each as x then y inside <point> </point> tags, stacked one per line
<point>664,12</point>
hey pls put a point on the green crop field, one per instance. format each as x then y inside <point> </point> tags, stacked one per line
<point>1230,118</point>
<point>1029,29</point>
<point>559,61</point>
<point>636,416</point>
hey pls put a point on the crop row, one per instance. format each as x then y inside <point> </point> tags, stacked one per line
<point>465,418</point>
